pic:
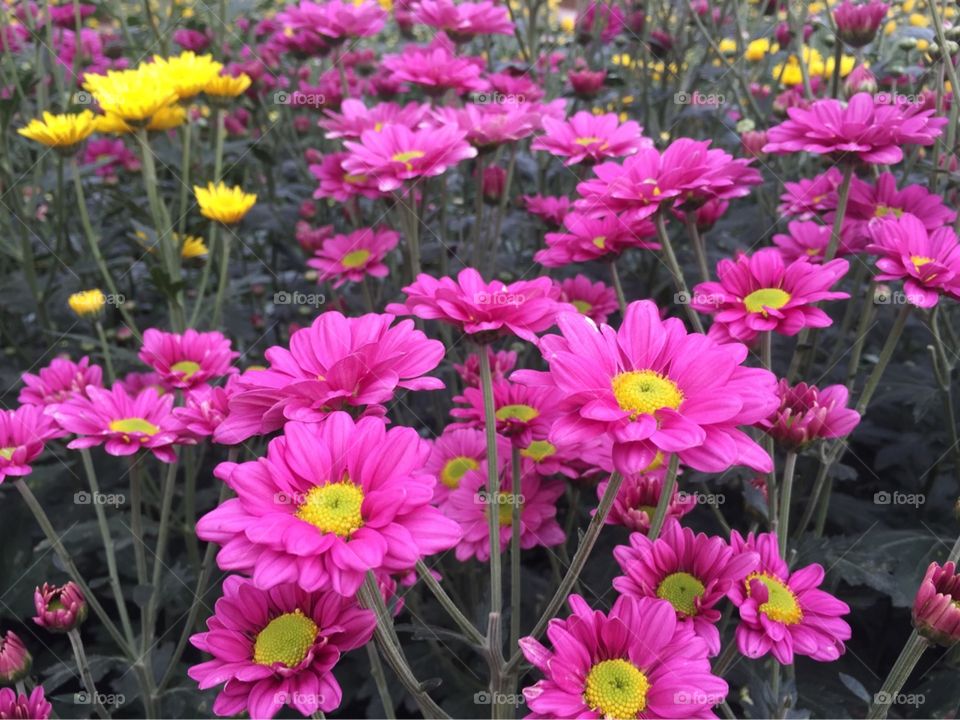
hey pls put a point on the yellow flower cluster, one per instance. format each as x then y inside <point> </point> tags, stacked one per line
<point>790,74</point>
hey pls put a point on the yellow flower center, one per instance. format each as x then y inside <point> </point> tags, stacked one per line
<point>286,639</point>
<point>523,413</point>
<point>504,503</point>
<point>187,367</point>
<point>582,306</point>
<point>591,140</point>
<point>920,260</point>
<point>600,241</point>
<point>134,425</point>
<point>355,259</point>
<point>760,300</point>
<point>406,157</point>
<point>355,179</point>
<point>455,469</point>
<point>333,508</point>
<point>681,590</point>
<point>781,605</point>
<point>7,452</point>
<point>643,392</point>
<point>884,210</point>
<point>616,689</point>
<point>538,450</point>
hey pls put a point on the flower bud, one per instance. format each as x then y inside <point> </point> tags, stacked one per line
<point>861,80</point>
<point>857,24</point>
<point>15,661</point>
<point>59,609</point>
<point>936,607</point>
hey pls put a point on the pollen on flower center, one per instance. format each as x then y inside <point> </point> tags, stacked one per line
<point>134,425</point>
<point>355,259</point>
<point>643,392</point>
<point>920,260</point>
<point>504,503</point>
<point>582,306</point>
<point>286,639</point>
<point>759,300</point>
<point>681,590</point>
<point>616,689</point>
<point>884,210</point>
<point>781,605</point>
<point>355,179</point>
<point>523,413</point>
<point>407,156</point>
<point>600,241</point>
<point>7,452</point>
<point>187,367</point>
<point>333,508</point>
<point>455,469</point>
<point>590,140</point>
<point>539,450</point>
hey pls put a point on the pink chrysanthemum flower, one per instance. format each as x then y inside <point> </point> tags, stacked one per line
<point>23,433</point>
<point>204,408</point>
<point>637,500</point>
<point>870,204</point>
<point>456,451</point>
<point>352,257</point>
<point>122,422</point>
<point>784,612</point>
<point>551,209</point>
<point>501,363</point>
<point>470,504</point>
<point>861,128</point>
<point>338,183</point>
<point>590,138</point>
<point>936,607</point>
<point>636,661</point>
<point>337,362</point>
<point>523,413</point>
<point>464,21</point>
<point>585,238</point>
<point>491,125</point>
<point>59,381</point>
<point>857,23</point>
<point>329,502</point>
<point>691,572</point>
<point>354,118</point>
<point>808,197</point>
<point>59,609</point>
<point>18,705</point>
<point>136,382</point>
<point>807,414</point>
<point>481,309</point>
<point>928,263</point>
<point>436,70</point>
<point>277,647</point>
<point>809,239</point>
<point>760,293</point>
<point>337,20</point>
<point>594,299</point>
<point>187,360</point>
<point>652,387</point>
<point>396,154</point>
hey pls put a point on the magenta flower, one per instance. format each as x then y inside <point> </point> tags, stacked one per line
<point>809,239</point>
<point>340,184</point>
<point>436,69</point>
<point>637,500</point>
<point>59,609</point>
<point>59,381</point>
<point>396,154</point>
<point>652,387</point>
<point>23,432</point>
<point>187,360</point>
<point>354,118</point>
<point>863,129</point>
<point>807,198</point>
<point>857,23</point>
<point>277,647</point>
<point>122,422</point>
<point>928,263</point>
<point>481,309</point>
<point>595,300</point>
<point>636,661</point>
<point>784,612</point>
<point>337,20</point>
<point>488,126</point>
<point>457,450</point>
<point>807,414</point>
<point>15,661</point>
<point>330,501</point>
<point>464,21</point>
<point>15,704</point>
<point>691,572</point>
<point>501,363</point>
<point>936,607</point>
<point>110,155</point>
<point>594,238</point>
<point>523,413</point>
<point>870,204</point>
<point>552,210</point>
<point>590,138</point>
<point>204,408</point>
<point>586,83</point>
<point>337,362</point>
<point>352,257</point>
<point>760,293</point>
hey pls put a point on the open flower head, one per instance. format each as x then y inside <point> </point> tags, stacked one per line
<point>224,204</point>
<point>134,96</point>
<point>60,131</point>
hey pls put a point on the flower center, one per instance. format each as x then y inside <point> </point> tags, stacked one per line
<point>7,452</point>
<point>586,141</point>
<point>286,639</point>
<point>406,157</point>
<point>920,260</point>
<point>582,306</point>
<point>681,590</point>
<point>600,241</point>
<point>355,259</point>
<point>187,367</point>
<point>134,425</point>
<point>523,413</point>
<point>504,503</point>
<point>643,392</point>
<point>781,605</point>
<point>884,210</point>
<point>455,469</point>
<point>354,179</point>
<point>538,450</point>
<point>760,300</point>
<point>617,689</point>
<point>333,508</point>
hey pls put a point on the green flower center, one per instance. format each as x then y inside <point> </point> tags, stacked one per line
<point>582,306</point>
<point>643,392</point>
<point>523,413</point>
<point>884,210</point>
<point>504,503</point>
<point>681,590</point>
<point>766,298</point>
<point>333,508</point>
<point>616,689</point>
<point>187,367</point>
<point>600,241</point>
<point>538,450</point>
<point>134,425</point>
<point>7,452</point>
<point>455,469</point>
<point>781,605</point>
<point>355,259</point>
<point>286,639</point>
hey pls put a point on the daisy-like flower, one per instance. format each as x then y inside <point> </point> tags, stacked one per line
<point>501,363</point>
<point>785,612</point>
<point>59,609</point>
<point>337,362</point>
<point>760,293</point>
<point>187,360</point>
<point>488,126</point>
<point>352,257</point>
<point>809,239</point>
<point>594,299</point>
<point>15,704</point>
<point>329,502</point>
<point>652,387</point>
<point>637,661</point>
<point>470,505</point>
<point>336,20</point>
<point>590,138</point>
<point>224,87</point>
<point>189,73</point>
<point>457,450</point>
<point>691,572</point>
<point>481,309</point>
<point>927,262</point>
<point>123,423</point>
<point>638,497</point>
<point>23,433</point>
<point>222,203</point>
<point>87,303</point>
<point>870,204</point>
<point>551,209</point>
<point>134,96</point>
<point>807,414</point>
<point>277,647</point>
<point>436,70</point>
<point>523,413</point>
<point>585,237</point>
<point>340,184</point>
<point>464,21</point>
<point>354,118</point>
<point>63,132</point>
<point>204,408</point>
<point>808,197</point>
<point>936,607</point>
<point>59,381</point>
<point>396,154</point>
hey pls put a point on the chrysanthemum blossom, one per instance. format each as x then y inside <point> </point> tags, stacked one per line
<point>760,293</point>
<point>870,204</point>
<point>329,502</point>
<point>936,607</point>
<point>337,362</point>
<point>501,363</point>
<point>335,20</point>
<point>522,413</point>
<point>486,126</point>
<point>354,118</point>
<point>806,198</point>
<point>15,660</point>
<point>691,572</point>
<point>204,408</point>
<point>187,360</point>
<point>652,387</point>
<point>586,237</point>
<point>809,239</point>
<point>277,647</point>
<point>59,608</point>
<point>808,413</point>
<point>857,23</point>
<point>590,138</point>
<point>59,381</point>
<point>14,704</point>
<point>436,70</point>
<point>481,309</point>
<point>638,497</point>
<point>456,451</point>
<point>352,257</point>
<point>551,209</point>
<point>596,300</point>
<point>465,20</point>
<point>340,184</point>
<point>23,432</point>
<point>784,612</point>
<point>637,661</point>
<point>927,262</point>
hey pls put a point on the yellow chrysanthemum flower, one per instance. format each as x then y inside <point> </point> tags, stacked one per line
<point>918,20</point>
<point>189,73</point>
<point>111,125</point>
<point>227,86</point>
<point>135,96</point>
<point>227,205</point>
<point>728,46</point>
<point>60,131</point>
<point>87,302</point>
<point>169,117</point>
<point>758,49</point>
<point>193,247</point>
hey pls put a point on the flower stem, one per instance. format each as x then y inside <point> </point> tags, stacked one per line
<point>515,528</point>
<point>786,491</point>
<point>843,194</point>
<point>163,532</point>
<point>449,605</point>
<point>699,249</point>
<point>912,650</point>
<point>674,266</point>
<point>380,679</point>
<point>224,276</point>
<point>885,354</point>
<point>105,346</point>
<point>84,669</point>
<point>205,274</point>
<point>618,287</point>
<point>666,495</point>
<point>493,481</point>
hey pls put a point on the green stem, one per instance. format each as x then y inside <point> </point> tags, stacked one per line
<point>666,495</point>
<point>843,194</point>
<point>515,550</point>
<point>163,533</point>
<point>105,346</point>
<point>493,481</point>
<point>380,679</point>
<point>224,276</point>
<point>885,354</point>
<point>83,667</point>
<point>786,490</point>
<point>618,287</point>
<point>205,274</point>
<point>676,271</point>
<point>909,656</point>
<point>699,249</point>
<point>449,605</point>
